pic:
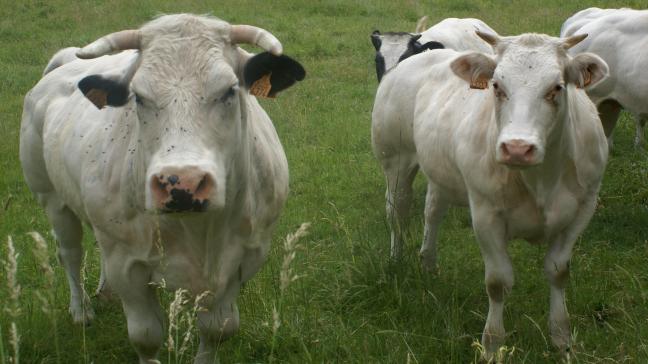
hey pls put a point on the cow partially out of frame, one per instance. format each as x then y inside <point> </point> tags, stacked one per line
<point>620,37</point>
<point>511,135</point>
<point>164,152</point>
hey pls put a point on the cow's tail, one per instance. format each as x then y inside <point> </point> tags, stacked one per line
<point>61,57</point>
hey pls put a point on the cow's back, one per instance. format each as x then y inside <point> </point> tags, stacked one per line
<point>620,37</point>
<point>459,34</point>
<point>395,103</point>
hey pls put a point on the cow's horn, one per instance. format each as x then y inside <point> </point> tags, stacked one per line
<point>573,40</point>
<point>257,36</point>
<point>114,42</point>
<point>491,39</point>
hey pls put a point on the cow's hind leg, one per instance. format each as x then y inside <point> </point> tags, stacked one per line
<point>640,122</point>
<point>609,112</point>
<point>435,209</point>
<point>400,172</point>
<point>68,232</point>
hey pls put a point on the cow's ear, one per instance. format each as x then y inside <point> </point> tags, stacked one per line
<point>265,74</point>
<point>586,70</point>
<point>475,68</point>
<point>103,91</point>
<point>375,39</point>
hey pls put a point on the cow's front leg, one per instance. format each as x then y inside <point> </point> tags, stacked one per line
<point>130,279</point>
<point>556,267</point>
<point>490,231</point>
<point>217,320</point>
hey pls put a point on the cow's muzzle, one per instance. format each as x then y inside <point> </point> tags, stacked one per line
<point>184,189</point>
<point>518,153</point>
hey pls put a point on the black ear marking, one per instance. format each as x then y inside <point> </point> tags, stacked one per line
<point>431,45</point>
<point>103,91</point>
<point>265,74</point>
<point>375,39</point>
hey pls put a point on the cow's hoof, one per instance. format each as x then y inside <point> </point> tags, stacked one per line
<point>428,264</point>
<point>81,316</point>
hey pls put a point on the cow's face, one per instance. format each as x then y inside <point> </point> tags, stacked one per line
<point>393,47</point>
<point>192,106</point>
<point>530,78</point>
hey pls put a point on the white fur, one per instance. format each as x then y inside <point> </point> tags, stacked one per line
<point>620,37</point>
<point>459,34</point>
<point>93,166</point>
<point>424,115</point>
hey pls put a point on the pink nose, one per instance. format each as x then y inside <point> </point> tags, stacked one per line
<point>518,152</point>
<point>181,189</point>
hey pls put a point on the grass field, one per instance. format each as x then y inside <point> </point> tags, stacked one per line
<point>349,304</point>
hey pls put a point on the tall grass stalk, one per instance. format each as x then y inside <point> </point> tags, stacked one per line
<point>175,311</point>
<point>286,276</point>
<point>46,297</point>
<point>13,306</point>
<point>86,358</point>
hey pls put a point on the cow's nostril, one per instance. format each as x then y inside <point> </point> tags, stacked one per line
<point>204,187</point>
<point>173,179</point>
<point>159,188</point>
<point>530,151</point>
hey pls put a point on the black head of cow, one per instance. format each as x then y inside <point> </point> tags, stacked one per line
<point>394,47</point>
<point>190,101</point>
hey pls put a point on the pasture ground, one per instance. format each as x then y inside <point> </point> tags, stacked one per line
<point>349,303</point>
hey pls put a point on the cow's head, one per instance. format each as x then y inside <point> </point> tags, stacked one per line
<point>393,47</point>
<point>530,76</point>
<point>190,85</point>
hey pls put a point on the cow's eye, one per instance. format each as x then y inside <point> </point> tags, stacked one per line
<point>499,92</point>
<point>551,95</point>
<point>139,100</point>
<point>227,96</point>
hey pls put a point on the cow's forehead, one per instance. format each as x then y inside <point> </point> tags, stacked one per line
<point>183,26</point>
<point>533,57</point>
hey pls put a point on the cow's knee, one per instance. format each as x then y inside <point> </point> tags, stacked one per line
<point>219,323</point>
<point>557,272</point>
<point>498,285</point>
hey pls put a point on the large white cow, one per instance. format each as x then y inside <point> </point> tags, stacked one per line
<point>182,178</point>
<point>514,137</point>
<point>620,37</point>
<point>452,33</point>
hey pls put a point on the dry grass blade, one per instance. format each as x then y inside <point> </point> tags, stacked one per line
<point>13,306</point>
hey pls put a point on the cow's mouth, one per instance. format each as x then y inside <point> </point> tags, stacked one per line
<point>184,201</point>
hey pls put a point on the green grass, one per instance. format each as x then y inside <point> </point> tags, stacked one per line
<point>350,304</point>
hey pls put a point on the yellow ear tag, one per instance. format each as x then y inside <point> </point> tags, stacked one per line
<point>479,84</point>
<point>262,86</point>
<point>98,97</point>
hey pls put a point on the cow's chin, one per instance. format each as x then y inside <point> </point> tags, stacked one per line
<point>519,165</point>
